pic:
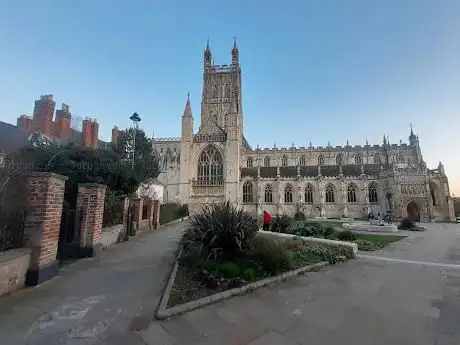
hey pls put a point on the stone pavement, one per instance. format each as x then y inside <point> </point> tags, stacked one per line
<point>364,301</point>
<point>95,301</point>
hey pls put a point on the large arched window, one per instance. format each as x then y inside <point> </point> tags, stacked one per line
<point>330,197</point>
<point>268,195</point>
<point>398,158</point>
<point>266,161</point>
<point>377,159</point>
<point>248,192</point>
<point>320,160</point>
<point>284,161</point>
<point>339,159</point>
<point>210,166</point>
<point>351,193</point>
<point>249,162</point>
<point>309,194</point>
<point>358,159</point>
<point>433,193</point>
<point>373,197</point>
<point>302,161</point>
<point>288,194</point>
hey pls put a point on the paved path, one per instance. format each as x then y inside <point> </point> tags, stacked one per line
<point>94,301</point>
<point>365,301</point>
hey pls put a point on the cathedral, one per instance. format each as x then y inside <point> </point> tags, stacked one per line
<point>217,164</point>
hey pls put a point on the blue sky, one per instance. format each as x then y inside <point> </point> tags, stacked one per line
<point>317,71</point>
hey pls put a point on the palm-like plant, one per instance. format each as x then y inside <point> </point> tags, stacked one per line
<point>222,230</point>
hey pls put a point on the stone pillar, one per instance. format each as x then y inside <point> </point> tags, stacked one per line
<point>156,214</point>
<point>451,208</point>
<point>44,194</point>
<point>124,234</point>
<point>90,207</point>
<point>138,205</point>
<point>150,210</point>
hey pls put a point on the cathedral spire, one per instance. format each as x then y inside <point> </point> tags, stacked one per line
<point>188,107</point>
<point>235,54</point>
<point>207,56</point>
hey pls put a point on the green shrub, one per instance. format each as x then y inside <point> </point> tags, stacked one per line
<point>329,231</point>
<point>271,255</point>
<point>406,224</point>
<point>308,229</point>
<point>228,269</point>
<point>346,235</point>
<point>249,274</point>
<point>223,230</point>
<point>299,216</point>
<point>280,223</point>
<point>365,245</point>
<point>330,254</point>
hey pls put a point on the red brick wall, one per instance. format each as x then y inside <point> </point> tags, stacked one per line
<point>45,195</point>
<point>62,124</point>
<point>43,114</point>
<point>115,135</point>
<point>24,122</point>
<point>90,205</point>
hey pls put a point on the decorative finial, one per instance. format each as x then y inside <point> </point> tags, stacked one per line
<point>188,96</point>
<point>329,143</point>
<point>292,144</point>
<point>207,44</point>
<point>348,143</point>
<point>234,42</point>
<point>367,143</point>
<point>274,145</point>
<point>311,144</point>
<point>411,131</point>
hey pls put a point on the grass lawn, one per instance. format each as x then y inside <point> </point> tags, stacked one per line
<point>382,239</point>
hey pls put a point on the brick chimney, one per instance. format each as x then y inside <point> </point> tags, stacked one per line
<point>115,135</point>
<point>62,123</point>
<point>43,114</point>
<point>90,132</point>
<point>24,122</point>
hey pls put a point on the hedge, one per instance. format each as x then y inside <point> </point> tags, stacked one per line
<point>172,211</point>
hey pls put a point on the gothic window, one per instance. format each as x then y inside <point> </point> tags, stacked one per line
<point>302,161</point>
<point>433,193</point>
<point>373,198</point>
<point>267,161</point>
<point>330,197</point>
<point>284,161</point>
<point>210,166</point>
<point>351,193</point>
<point>320,160</point>
<point>247,192</point>
<point>358,159</point>
<point>398,159</point>
<point>339,159</point>
<point>268,195</point>
<point>309,194</point>
<point>288,194</point>
<point>178,158</point>
<point>377,159</point>
<point>165,161</point>
<point>249,162</point>
<point>227,90</point>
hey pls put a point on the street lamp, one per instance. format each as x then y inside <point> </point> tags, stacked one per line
<point>136,119</point>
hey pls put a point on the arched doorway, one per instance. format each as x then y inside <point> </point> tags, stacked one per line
<point>413,212</point>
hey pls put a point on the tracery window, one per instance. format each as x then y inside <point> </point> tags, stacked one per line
<point>351,193</point>
<point>339,159</point>
<point>249,162</point>
<point>248,192</point>
<point>358,159</point>
<point>268,195</point>
<point>309,194</point>
<point>320,160</point>
<point>266,161</point>
<point>330,197</point>
<point>302,161</point>
<point>288,194</point>
<point>210,166</point>
<point>373,197</point>
<point>284,161</point>
<point>377,159</point>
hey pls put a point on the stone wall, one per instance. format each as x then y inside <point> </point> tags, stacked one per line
<point>111,235</point>
<point>13,268</point>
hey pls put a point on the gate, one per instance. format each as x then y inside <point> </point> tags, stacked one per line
<point>68,235</point>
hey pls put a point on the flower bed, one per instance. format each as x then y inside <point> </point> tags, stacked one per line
<point>365,242</point>
<point>223,254</point>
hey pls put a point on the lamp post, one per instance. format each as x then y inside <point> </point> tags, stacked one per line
<point>136,119</point>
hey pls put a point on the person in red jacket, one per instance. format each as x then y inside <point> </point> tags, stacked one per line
<point>267,221</point>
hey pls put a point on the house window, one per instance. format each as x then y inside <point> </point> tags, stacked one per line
<point>267,161</point>
<point>373,198</point>
<point>288,194</point>
<point>320,160</point>
<point>247,192</point>
<point>351,193</point>
<point>249,162</point>
<point>358,159</point>
<point>309,194</point>
<point>268,194</point>
<point>339,159</point>
<point>302,161</point>
<point>284,161</point>
<point>210,166</point>
<point>330,198</point>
